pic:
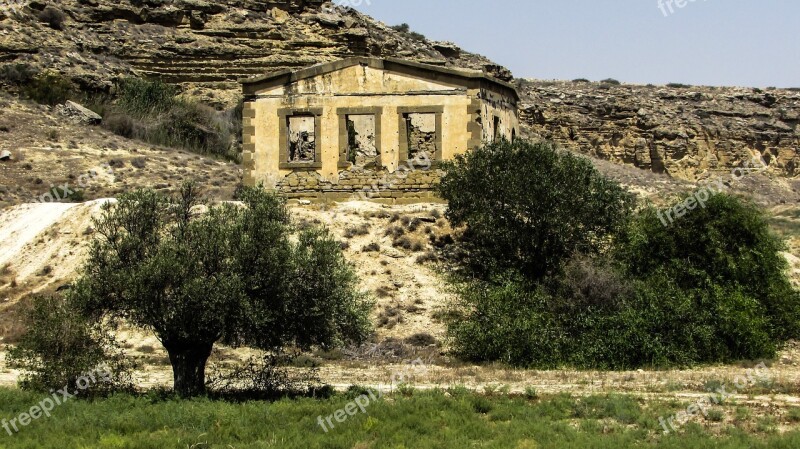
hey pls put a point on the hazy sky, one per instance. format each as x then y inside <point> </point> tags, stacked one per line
<point>711,42</point>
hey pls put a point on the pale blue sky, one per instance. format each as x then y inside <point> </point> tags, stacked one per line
<point>709,42</point>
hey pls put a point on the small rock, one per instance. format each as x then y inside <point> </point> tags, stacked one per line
<point>304,202</point>
<point>279,15</point>
<point>78,113</point>
<point>329,19</point>
<point>5,155</point>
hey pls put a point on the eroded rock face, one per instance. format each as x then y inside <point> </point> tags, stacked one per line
<point>207,46</point>
<point>687,132</point>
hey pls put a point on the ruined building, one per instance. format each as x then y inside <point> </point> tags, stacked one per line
<point>374,128</point>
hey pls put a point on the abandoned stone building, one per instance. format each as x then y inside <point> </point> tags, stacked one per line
<point>370,127</point>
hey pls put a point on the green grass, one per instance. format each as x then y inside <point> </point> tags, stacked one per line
<point>423,420</point>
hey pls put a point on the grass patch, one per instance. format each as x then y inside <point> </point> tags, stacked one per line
<point>457,418</point>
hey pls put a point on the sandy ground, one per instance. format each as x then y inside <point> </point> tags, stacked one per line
<point>408,296</point>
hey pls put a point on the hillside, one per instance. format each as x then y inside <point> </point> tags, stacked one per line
<point>206,46</point>
<point>687,132</point>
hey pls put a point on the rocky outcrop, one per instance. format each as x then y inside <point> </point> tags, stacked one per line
<point>207,46</point>
<point>78,114</point>
<point>687,132</point>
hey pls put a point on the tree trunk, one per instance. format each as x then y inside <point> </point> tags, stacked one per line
<point>189,367</point>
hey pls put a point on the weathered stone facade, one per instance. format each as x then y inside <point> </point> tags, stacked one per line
<point>373,128</point>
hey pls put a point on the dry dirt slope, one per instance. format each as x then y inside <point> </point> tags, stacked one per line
<point>42,246</point>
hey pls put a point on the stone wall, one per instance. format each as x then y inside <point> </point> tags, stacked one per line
<point>400,187</point>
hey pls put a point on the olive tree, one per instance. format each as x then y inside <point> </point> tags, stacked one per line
<point>529,207</point>
<point>196,274</point>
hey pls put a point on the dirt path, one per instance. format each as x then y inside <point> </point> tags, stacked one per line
<point>22,224</point>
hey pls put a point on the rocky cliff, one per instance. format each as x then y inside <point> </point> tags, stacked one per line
<point>206,45</point>
<point>687,132</point>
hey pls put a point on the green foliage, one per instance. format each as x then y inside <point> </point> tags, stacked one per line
<point>504,322</point>
<point>431,420</point>
<point>144,98</point>
<point>154,112</point>
<point>232,274</point>
<point>49,88</point>
<point>726,244</point>
<point>711,287</point>
<point>61,345</point>
<point>611,81</point>
<point>71,195</point>
<point>529,207</point>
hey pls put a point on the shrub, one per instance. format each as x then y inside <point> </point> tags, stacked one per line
<point>611,81</point>
<point>70,196</point>
<point>53,17</point>
<point>710,288</point>
<point>679,85</point>
<point>421,339</point>
<point>61,344</point>
<point>652,323</point>
<point>17,74</point>
<point>50,88</point>
<point>727,243</point>
<point>144,98</point>
<point>373,247</point>
<point>503,322</point>
<point>405,29</point>
<point>529,207</point>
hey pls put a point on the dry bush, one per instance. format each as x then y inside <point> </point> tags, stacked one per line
<point>428,256</point>
<point>408,244</point>
<point>395,232</point>
<point>383,292</point>
<point>421,340</point>
<point>371,248</point>
<point>390,317</point>
<point>355,231</point>
<point>53,17</point>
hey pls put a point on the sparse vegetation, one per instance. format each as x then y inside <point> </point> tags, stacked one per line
<point>405,29</point>
<point>679,85</point>
<point>356,231</point>
<point>155,112</point>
